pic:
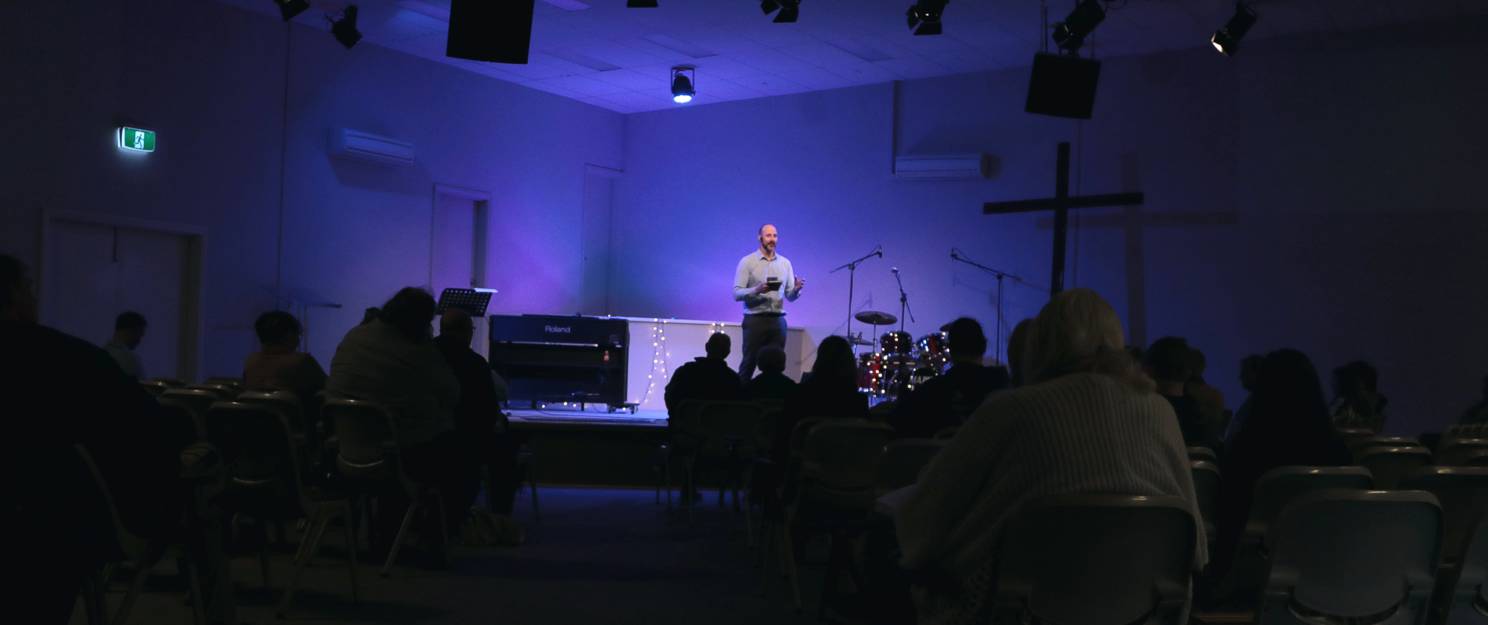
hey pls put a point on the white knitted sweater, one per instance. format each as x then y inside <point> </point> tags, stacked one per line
<point>1080,433</point>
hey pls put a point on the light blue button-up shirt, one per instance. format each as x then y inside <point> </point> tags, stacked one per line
<point>754,270</point>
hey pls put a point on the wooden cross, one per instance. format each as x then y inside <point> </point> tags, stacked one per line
<point>1060,204</point>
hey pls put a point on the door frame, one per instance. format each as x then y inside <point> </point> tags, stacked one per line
<point>482,200</point>
<point>191,347</point>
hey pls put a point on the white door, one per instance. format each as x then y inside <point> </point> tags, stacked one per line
<point>457,249</point>
<point>93,272</point>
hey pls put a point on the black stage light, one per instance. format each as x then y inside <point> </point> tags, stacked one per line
<point>290,8</point>
<point>345,29</point>
<point>924,16</point>
<point>497,31</point>
<point>1070,34</point>
<point>790,10</point>
<point>683,77</point>
<point>1227,39</point>
<point>640,4</point>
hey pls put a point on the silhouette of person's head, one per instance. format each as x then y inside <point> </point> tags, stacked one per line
<point>457,326</point>
<point>17,293</point>
<point>771,359</point>
<point>967,341</point>
<point>1288,393</point>
<point>1017,351</point>
<point>278,329</point>
<point>1079,332</point>
<point>410,311</point>
<point>1167,361</point>
<point>1250,367</point>
<point>834,364</point>
<point>718,346</point>
<point>129,328</point>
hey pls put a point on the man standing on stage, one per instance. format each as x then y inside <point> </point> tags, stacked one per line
<point>763,281</point>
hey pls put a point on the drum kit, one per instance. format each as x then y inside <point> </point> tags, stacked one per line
<point>898,363</point>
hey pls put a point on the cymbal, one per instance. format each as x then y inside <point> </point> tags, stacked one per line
<point>876,318</point>
<point>859,341</point>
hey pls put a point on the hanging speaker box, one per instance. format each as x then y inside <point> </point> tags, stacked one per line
<point>497,31</point>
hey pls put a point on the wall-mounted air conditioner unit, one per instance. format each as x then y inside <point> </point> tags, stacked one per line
<point>942,167</point>
<point>356,144</point>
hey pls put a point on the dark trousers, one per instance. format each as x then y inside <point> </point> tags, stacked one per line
<point>759,331</point>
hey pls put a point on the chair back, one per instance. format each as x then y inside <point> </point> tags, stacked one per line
<point>285,402</point>
<point>1206,490</point>
<point>1359,445</point>
<point>1202,453</point>
<point>728,428</point>
<point>686,427</point>
<point>1462,493</point>
<point>1389,465</point>
<point>1460,451</point>
<point>222,391</point>
<point>233,383</point>
<point>1279,486</point>
<point>1358,556</point>
<point>366,438</point>
<point>902,461</point>
<point>1095,560</point>
<point>1464,596</point>
<point>194,401</point>
<point>155,387</point>
<point>262,460</point>
<point>799,432</point>
<point>842,454</point>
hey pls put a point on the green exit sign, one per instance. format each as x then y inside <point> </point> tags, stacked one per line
<point>136,139</point>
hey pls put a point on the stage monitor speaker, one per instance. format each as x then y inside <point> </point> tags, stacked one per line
<point>1062,85</point>
<point>498,31</point>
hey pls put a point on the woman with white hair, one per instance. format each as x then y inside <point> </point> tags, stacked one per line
<point>1087,421</point>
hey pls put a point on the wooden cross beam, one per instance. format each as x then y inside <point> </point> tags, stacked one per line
<point>1060,204</point>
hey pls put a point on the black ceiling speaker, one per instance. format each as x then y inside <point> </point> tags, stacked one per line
<point>1062,86</point>
<point>498,31</point>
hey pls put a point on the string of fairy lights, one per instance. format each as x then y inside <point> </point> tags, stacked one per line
<point>661,369</point>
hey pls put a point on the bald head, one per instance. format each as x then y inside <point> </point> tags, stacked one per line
<point>768,237</point>
<point>457,324</point>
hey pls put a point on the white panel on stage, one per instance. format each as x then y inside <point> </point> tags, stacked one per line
<point>684,341</point>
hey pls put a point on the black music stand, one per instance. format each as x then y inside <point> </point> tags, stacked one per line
<point>469,300</point>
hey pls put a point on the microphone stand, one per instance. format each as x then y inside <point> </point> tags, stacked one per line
<point>903,304</point>
<point>999,274</point>
<point>852,270</point>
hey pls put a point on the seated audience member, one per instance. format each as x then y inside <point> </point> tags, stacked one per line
<point>831,391</point>
<point>1478,413</point>
<point>479,420</point>
<point>129,330</point>
<point>1359,403</point>
<point>1210,400</point>
<point>277,365</point>
<point>706,378</point>
<point>947,400</point>
<point>1250,367</point>
<point>1287,425</point>
<point>392,361</point>
<point>771,384</point>
<point>1088,422</point>
<point>1167,361</point>
<point>1016,348</point>
<point>59,528</point>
